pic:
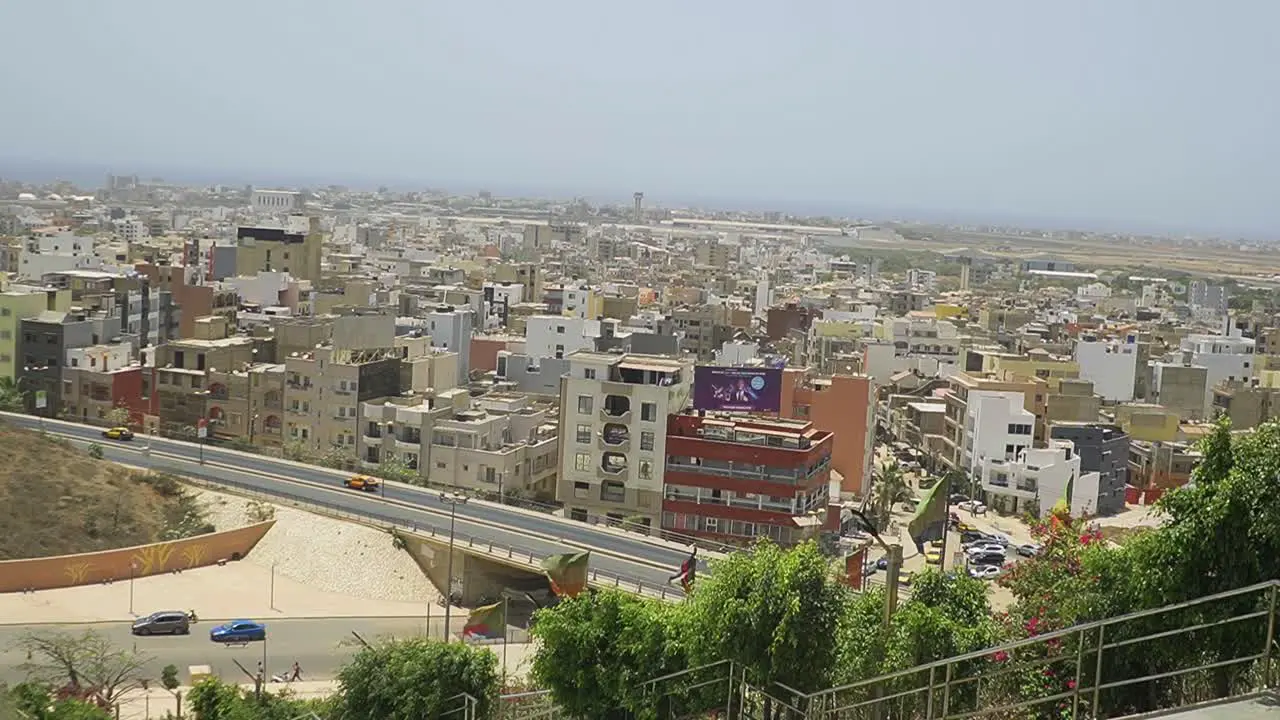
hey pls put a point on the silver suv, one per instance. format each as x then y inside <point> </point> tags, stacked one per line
<point>168,622</point>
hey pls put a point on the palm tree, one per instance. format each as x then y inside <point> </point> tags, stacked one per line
<point>890,486</point>
<point>11,395</point>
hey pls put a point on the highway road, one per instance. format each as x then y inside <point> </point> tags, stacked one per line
<point>320,646</point>
<point>633,559</point>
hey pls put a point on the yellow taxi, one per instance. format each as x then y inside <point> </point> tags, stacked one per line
<point>933,556</point>
<point>362,482</point>
<point>965,527</point>
<point>118,433</point>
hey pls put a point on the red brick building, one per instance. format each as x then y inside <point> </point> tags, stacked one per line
<point>738,479</point>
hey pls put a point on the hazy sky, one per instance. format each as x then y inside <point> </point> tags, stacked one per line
<point>1153,113</point>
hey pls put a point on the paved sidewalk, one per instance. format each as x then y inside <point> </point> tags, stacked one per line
<point>234,590</point>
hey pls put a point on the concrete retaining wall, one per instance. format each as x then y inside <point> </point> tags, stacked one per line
<point>139,561</point>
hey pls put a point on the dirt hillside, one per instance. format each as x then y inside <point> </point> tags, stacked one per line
<point>55,499</point>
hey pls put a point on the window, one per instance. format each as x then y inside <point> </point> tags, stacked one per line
<point>582,461</point>
<point>646,440</point>
<point>584,434</point>
<point>646,470</point>
<point>560,329</point>
<point>649,412</point>
<point>589,373</point>
<point>584,404</point>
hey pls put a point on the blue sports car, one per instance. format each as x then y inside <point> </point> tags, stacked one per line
<point>238,631</point>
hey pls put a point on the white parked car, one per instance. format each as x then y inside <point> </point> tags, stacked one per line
<point>984,572</point>
<point>973,506</point>
<point>986,549</point>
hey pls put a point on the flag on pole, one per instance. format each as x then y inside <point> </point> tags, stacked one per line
<point>567,573</point>
<point>688,571</point>
<point>487,623</point>
<point>930,520</point>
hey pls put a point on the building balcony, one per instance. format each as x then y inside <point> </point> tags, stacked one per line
<point>1016,491</point>
<point>616,407</point>
<point>297,411</point>
<point>403,445</point>
<point>607,416</point>
<point>615,436</point>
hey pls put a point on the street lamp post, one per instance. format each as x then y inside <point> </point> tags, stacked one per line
<point>133,571</point>
<point>453,500</point>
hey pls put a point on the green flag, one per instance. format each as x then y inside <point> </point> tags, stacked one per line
<point>930,520</point>
<point>488,622</point>
<point>567,573</point>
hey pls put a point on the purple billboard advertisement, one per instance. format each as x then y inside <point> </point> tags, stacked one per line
<point>737,389</point>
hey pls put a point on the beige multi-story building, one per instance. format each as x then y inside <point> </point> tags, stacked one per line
<point>703,329</point>
<point>324,390</point>
<point>183,370</point>
<point>247,404</point>
<point>279,250</point>
<point>613,427</point>
<point>498,443</point>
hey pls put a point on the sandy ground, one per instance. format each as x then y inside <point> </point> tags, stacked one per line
<point>306,566</point>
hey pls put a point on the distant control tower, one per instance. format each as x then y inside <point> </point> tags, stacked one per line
<point>639,211</point>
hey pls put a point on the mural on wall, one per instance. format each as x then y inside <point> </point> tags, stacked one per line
<point>141,561</point>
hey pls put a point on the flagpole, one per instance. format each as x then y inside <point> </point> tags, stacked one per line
<point>506,605</point>
<point>946,523</point>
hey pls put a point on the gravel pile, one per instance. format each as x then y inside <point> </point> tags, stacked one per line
<point>326,554</point>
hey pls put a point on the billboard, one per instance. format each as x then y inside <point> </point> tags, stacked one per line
<point>737,389</point>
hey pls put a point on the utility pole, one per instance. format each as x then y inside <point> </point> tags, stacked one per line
<point>453,500</point>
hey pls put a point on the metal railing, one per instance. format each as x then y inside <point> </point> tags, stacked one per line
<point>461,540</point>
<point>1210,649</point>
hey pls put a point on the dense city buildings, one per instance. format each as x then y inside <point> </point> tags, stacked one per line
<point>720,375</point>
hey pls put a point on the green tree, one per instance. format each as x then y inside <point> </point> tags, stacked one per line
<point>37,702</point>
<point>596,651</point>
<point>11,395</point>
<point>416,678</point>
<point>211,699</point>
<point>118,417</point>
<point>338,458</point>
<point>394,468</point>
<point>775,612</point>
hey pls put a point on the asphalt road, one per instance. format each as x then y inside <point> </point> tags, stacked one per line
<point>633,560</point>
<point>319,646</point>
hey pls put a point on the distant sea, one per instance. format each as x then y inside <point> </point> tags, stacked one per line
<point>87,175</point>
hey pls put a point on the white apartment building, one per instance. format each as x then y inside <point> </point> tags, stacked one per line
<point>578,302</point>
<point>928,337</point>
<point>132,230</point>
<point>497,444</point>
<point>276,201</point>
<point>997,426</point>
<point>1225,358</point>
<point>1111,365</point>
<point>922,279</point>
<point>451,329</point>
<point>1036,479</point>
<point>613,429</point>
<point>558,336</point>
<point>55,251</point>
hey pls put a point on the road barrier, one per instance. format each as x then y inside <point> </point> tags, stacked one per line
<point>600,578</point>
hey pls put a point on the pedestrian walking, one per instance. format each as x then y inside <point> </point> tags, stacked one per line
<point>297,672</point>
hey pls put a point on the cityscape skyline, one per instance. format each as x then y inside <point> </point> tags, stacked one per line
<point>1093,115</point>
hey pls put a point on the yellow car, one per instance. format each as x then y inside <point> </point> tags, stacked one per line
<point>965,527</point>
<point>933,557</point>
<point>118,433</point>
<point>362,482</point>
<point>907,578</point>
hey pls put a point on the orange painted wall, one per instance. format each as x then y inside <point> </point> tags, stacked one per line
<point>98,567</point>
<point>484,353</point>
<point>843,409</point>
